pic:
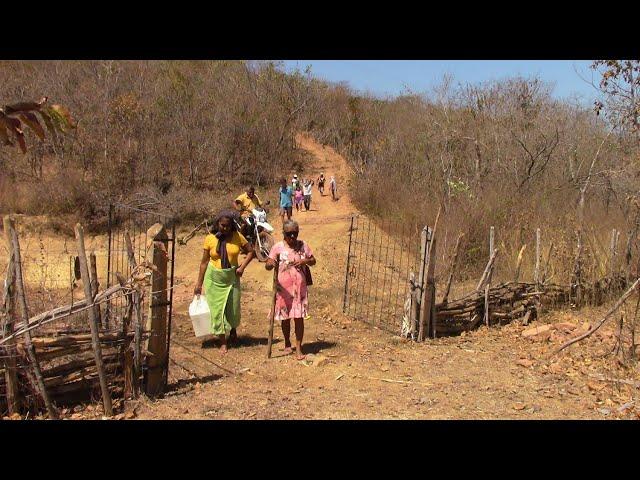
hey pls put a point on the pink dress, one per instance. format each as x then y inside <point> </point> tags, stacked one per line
<point>291,298</point>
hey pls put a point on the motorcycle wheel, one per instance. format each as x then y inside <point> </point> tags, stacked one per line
<point>267,242</point>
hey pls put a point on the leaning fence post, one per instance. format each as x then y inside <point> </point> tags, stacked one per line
<point>93,321</point>
<point>8,310</point>
<point>157,321</point>
<point>25,318</point>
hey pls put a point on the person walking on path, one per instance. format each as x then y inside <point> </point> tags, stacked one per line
<point>286,205</point>
<point>334,188</point>
<point>321,181</point>
<point>294,258</point>
<point>295,183</point>
<point>306,190</point>
<point>298,198</point>
<point>220,274</point>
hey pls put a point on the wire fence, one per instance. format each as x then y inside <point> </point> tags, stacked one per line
<point>382,256</point>
<point>136,223</point>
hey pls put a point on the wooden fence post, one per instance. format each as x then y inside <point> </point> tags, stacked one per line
<point>536,274</point>
<point>93,321</point>
<point>158,315</point>
<point>419,292</point>
<point>428,318</point>
<point>492,233</point>
<point>22,299</point>
<point>8,311</point>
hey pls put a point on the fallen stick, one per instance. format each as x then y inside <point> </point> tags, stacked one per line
<point>611,311</point>
<point>389,380</point>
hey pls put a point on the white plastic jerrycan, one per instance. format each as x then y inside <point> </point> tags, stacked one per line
<point>200,316</point>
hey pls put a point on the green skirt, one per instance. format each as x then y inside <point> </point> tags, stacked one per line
<point>222,291</point>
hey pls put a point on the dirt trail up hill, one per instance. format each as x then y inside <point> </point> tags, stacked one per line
<point>356,371</point>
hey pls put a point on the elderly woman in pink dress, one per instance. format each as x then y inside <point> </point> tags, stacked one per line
<point>294,257</point>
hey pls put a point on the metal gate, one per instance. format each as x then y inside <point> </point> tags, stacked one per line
<point>136,222</point>
<point>383,257</point>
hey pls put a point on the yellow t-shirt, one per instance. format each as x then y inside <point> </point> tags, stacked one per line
<point>234,247</point>
<point>249,204</point>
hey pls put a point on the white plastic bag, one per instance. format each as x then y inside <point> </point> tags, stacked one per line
<point>200,316</point>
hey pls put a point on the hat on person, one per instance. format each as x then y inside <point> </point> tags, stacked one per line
<point>295,176</point>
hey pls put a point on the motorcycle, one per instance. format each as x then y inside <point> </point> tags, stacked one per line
<point>258,232</point>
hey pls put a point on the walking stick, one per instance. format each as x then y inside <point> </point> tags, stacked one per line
<point>273,308</point>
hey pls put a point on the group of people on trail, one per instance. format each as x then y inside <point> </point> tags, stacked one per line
<point>220,268</point>
<point>333,186</point>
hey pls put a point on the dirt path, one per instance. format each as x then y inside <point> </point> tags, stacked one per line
<point>360,372</point>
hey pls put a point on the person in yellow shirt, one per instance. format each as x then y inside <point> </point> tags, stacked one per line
<point>220,274</point>
<point>247,202</point>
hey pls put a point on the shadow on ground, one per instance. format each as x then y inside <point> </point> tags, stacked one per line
<point>172,387</point>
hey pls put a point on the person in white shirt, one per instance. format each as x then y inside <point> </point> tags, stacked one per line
<point>295,182</point>
<point>306,190</point>
<point>334,188</point>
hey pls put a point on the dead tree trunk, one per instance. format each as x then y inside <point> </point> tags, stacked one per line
<point>39,380</point>
<point>8,312</point>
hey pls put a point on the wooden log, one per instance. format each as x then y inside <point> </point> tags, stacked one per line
<point>61,312</point>
<point>22,300</point>
<point>93,321</point>
<point>157,321</point>
<point>113,365</point>
<point>77,365</point>
<point>8,312</point>
<point>454,263</point>
<point>69,340</point>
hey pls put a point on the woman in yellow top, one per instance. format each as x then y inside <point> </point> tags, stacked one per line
<point>220,273</point>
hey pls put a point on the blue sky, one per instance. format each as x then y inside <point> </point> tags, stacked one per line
<point>391,77</point>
